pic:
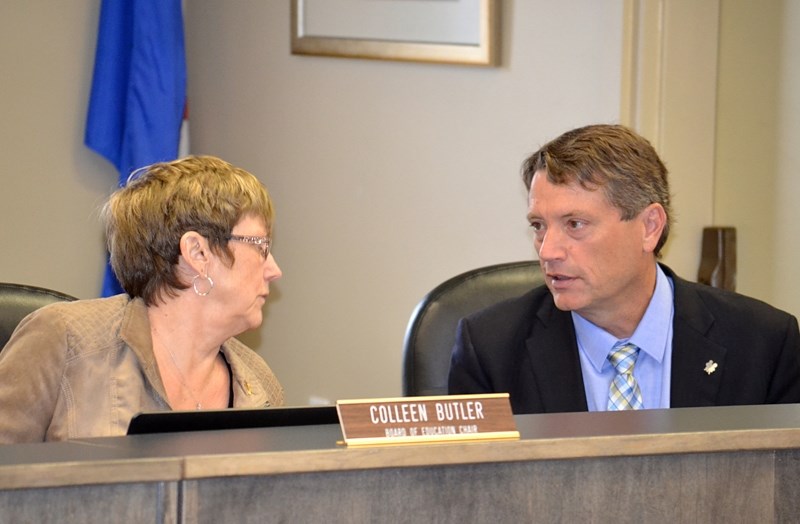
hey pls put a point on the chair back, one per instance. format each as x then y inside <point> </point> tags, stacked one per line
<point>17,300</point>
<point>431,332</point>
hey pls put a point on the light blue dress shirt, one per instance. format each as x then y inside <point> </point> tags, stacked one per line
<point>653,336</point>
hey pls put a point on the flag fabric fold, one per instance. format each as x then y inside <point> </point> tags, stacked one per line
<point>138,94</point>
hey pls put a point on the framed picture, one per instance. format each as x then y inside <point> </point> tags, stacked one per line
<point>443,31</point>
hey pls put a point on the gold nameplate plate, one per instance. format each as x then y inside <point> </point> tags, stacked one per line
<point>409,420</point>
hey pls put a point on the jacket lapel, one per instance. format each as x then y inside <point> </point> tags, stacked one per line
<point>695,378</point>
<point>553,352</point>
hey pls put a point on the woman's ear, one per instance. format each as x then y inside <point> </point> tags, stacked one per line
<point>195,252</point>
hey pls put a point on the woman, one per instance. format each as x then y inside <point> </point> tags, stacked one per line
<point>190,244</point>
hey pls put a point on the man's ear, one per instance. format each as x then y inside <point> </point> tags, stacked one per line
<point>195,252</point>
<point>654,219</point>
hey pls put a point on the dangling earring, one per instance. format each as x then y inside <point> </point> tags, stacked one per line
<point>210,285</point>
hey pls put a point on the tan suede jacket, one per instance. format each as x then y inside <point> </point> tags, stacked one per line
<point>85,368</point>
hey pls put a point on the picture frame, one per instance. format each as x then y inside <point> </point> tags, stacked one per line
<point>440,31</point>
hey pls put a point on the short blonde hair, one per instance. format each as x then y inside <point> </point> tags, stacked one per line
<point>146,219</point>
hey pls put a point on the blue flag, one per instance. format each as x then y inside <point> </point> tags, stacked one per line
<point>138,96</point>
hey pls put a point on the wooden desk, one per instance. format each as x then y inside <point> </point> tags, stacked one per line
<point>728,464</point>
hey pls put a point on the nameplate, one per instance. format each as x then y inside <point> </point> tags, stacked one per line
<point>409,420</point>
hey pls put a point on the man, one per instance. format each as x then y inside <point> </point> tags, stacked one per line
<point>600,213</point>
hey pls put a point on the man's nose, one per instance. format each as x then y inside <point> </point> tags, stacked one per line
<point>551,246</point>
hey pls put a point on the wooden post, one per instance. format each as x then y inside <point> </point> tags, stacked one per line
<point>718,258</point>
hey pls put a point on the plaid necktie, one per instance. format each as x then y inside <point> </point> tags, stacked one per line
<point>624,392</point>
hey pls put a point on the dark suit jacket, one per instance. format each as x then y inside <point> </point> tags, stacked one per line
<point>527,348</point>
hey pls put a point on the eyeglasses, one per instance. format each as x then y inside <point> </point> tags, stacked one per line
<point>262,243</point>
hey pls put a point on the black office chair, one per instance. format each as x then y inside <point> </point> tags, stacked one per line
<point>17,300</point>
<point>431,332</point>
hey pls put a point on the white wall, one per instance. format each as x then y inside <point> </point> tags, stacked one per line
<point>388,177</point>
<point>758,133</point>
<point>52,185</point>
<point>786,213</point>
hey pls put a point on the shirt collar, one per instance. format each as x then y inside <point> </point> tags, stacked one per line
<point>650,335</point>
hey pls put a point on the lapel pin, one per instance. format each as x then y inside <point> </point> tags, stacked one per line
<point>711,367</point>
